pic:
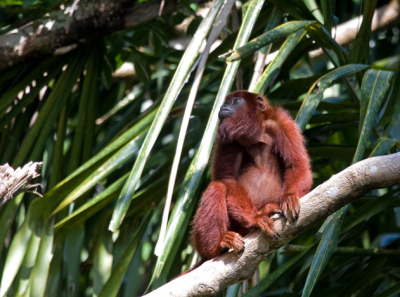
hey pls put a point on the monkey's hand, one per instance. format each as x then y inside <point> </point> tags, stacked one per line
<point>290,206</point>
<point>267,225</point>
<point>233,241</point>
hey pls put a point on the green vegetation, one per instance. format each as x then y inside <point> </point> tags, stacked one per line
<point>108,142</point>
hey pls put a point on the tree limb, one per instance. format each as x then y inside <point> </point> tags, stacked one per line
<point>14,182</point>
<point>61,30</point>
<point>339,190</point>
<point>385,17</point>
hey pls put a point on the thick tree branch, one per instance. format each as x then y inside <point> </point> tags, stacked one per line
<point>384,17</point>
<point>62,29</point>
<point>14,182</point>
<point>340,189</point>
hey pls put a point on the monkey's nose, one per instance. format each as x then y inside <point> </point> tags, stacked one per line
<point>224,112</point>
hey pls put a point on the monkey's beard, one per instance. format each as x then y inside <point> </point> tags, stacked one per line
<point>238,126</point>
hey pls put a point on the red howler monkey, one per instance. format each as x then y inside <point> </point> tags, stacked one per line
<point>260,167</point>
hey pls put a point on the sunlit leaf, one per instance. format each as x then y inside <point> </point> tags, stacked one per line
<point>273,68</point>
<point>117,275</point>
<point>360,53</point>
<point>166,105</point>
<point>45,254</point>
<point>274,35</point>
<point>315,94</point>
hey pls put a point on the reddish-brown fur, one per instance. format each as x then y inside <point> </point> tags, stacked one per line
<point>260,167</point>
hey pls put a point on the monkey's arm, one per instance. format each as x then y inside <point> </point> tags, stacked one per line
<point>210,225</point>
<point>290,147</point>
<point>211,221</point>
<point>227,158</point>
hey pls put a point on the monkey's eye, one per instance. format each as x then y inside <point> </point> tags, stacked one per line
<point>236,100</point>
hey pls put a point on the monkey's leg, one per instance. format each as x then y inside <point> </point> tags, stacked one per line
<point>270,209</point>
<point>264,220</point>
<point>297,175</point>
<point>210,225</point>
<point>233,241</point>
<point>242,210</point>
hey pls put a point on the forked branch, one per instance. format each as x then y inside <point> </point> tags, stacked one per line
<point>14,182</point>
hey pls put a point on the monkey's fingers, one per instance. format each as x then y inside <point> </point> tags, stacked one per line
<point>290,206</point>
<point>233,241</point>
<point>285,208</point>
<point>296,210</point>
<point>267,225</point>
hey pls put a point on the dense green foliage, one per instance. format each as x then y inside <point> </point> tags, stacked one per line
<point>108,141</point>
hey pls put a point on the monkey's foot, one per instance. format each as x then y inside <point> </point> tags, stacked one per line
<point>267,225</point>
<point>290,206</point>
<point>233,241</point>
<point>276,214</point>
<point>272,210</point>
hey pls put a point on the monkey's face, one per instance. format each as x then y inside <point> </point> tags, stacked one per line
<point>231,107</point>
<point>241,116</point>
<point>242,105</point>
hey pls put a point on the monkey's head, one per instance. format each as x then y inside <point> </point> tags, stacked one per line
<point>242,116</point>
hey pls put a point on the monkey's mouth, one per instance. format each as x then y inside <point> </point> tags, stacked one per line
<point>224,112</point>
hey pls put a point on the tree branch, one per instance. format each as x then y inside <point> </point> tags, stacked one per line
<point>62,30</point>
<point>14,182</point>
<point>384,17</point>
<point>339,190</point>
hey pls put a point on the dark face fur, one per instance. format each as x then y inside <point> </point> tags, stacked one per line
<point>239,115</point>
<point>230,107</point>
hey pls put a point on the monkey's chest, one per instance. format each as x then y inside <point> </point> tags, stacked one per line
<point>263,185</point>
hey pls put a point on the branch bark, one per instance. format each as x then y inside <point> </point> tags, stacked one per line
<point>339,190</point>
<point>61,30</point>
<point>14,182</point>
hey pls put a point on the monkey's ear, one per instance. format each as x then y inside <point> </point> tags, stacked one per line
<point>261,104</point>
